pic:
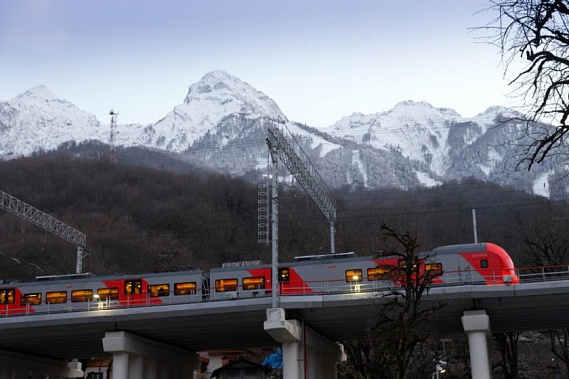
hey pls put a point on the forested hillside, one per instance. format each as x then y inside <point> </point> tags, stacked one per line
<point>139,219</point>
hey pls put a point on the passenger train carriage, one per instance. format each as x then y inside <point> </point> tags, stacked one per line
<point>483,263</point>
<point>67,293</point>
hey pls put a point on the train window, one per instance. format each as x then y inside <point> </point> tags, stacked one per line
<point>254,283</point>
<point>56,297</point>
<point>133,287</point>
<point>284,275</point>
<point>379,273</point>
<point>354,276</point>
<point>185,288</point>
<point>81,295</point>
<point>108,293</point>
<point>484,263</point>
<point>7,296</point>
<point>30,298</point>
<point>159,290</point>
<point>224,285</point>
<point>434,269</point>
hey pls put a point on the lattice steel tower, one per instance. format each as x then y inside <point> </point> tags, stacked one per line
<point>263,210</point>
<point>299,165</point>
<point>49,223</point>
<point>112,138</point>
<point>302,169</point>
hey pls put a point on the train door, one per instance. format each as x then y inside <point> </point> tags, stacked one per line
<point>134,292</point>
<point>7,299</point>
<point>284,280</point>
<point>205,289</point>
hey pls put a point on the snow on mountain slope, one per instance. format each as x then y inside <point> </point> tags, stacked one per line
<point>223,121</point>
<point>417,130</point>
<point>38,121</point>
<point>317,142</point>
<point>216,96</point>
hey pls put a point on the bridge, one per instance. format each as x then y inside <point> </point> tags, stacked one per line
<point>172,333</point>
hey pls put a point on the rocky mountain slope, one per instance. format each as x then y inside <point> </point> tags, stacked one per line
<point>221,125</point>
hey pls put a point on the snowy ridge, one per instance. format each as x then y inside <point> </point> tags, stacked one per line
<point>215,96</point>
<point>222,121</point>
<point>417,130</point>
<point>38,121</point>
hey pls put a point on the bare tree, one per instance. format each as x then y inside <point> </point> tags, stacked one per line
<point>507,345</point>
<point>546,244</point>
<point>401,322</point>
<point>533,36</point>
<point>559,339</point>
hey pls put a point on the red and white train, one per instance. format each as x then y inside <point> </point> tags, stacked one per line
<point>482,263</point>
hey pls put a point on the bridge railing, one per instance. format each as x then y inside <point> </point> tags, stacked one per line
<point>543,273</point>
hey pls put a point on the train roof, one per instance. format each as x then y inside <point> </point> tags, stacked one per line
<point>461,248</point>
<point>324,259</point>
<point>321,257</point>
<point>88,277</point>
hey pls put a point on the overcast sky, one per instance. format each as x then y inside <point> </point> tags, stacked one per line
<point>320,60</point>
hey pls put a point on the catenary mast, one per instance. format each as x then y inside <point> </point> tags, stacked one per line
<point>302,169</point>
<point>49,223</point>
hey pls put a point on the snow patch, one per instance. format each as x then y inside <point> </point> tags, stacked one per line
<point>426,180</point>
<point>541,185</point>
<point>485,169</point>
<point>357,162</point>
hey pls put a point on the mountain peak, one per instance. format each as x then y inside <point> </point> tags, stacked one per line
<point>422,108</point>
<point>219,75</point>
<point>232,94</point>
<point>411,103</point>
<point>216,81</point>
<point>40,91</point>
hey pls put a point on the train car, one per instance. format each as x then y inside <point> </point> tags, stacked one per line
<point>482,263</point>
<point>67,294</point>
<point>311,274</point>
<point>240,280</point>
<point>475,263</point>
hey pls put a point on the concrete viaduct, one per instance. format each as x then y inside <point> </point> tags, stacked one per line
<point>161,341</point>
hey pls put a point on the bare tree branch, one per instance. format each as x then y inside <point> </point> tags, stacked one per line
<point>535,34</point>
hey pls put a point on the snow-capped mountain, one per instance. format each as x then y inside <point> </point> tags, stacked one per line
<point>221,124</point>
<point>419,132</point>
<point>216,96</point>
<point>38,121</point>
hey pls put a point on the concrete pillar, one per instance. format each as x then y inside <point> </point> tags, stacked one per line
<point>137,349</point>
<point>320,353</point>
<point>164,370</point>
<point>135,367</point>
<point>291,360</point>
<point>150,368</point>
<point>476,324</point>
<point>120,365</point>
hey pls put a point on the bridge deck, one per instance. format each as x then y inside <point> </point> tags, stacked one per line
<point>239,323</point>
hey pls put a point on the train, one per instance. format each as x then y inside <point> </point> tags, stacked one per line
<point>476,263</point>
